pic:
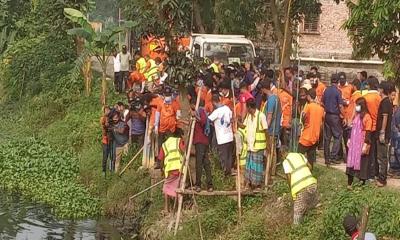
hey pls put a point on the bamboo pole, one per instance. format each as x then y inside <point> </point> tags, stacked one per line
<point>364,223</point>
<point>130,162</point>
<point>238,180</point>
<point>147,189</point>
<point>146,143</point>
<point>273,148</point>
<point>220,193</point>
<point>185,166</point>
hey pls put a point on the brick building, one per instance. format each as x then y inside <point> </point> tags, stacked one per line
<point>323,42</point>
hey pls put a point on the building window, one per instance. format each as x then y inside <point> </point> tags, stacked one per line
<point>311,24</point>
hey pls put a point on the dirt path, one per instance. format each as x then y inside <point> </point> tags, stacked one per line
<point>391,182</point>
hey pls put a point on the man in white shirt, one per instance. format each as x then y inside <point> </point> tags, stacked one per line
<point>125,58</point>
<point>117,70</point>
<point>222,119</point>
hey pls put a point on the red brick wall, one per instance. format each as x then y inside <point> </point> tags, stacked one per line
<point>332,40</point>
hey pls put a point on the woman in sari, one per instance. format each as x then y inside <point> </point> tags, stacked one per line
<point>359,143</point>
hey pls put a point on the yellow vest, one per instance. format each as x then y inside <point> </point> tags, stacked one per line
<point>260,142</point>
<point>215,68</point>
<point>243,153</point>
<point>141,65</point>
<point>173,156</point>
<point>300,174</point>
<point>153,70</point>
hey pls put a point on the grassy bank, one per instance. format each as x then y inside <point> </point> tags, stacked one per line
<point>69,125</point>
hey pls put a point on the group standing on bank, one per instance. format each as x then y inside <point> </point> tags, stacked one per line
<point>249,119</point>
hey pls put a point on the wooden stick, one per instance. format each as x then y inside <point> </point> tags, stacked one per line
<point>364,223</point>
<point>219,193</point>
<point>146,143</point>
<point>130,162</point>
<point>238,180</point>
<point>186,165</point>
<point>147,189</point>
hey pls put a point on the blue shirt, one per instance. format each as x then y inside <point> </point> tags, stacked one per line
<point>332,99</point>
<point>274,107</point>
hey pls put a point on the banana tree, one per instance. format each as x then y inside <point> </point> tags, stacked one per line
<point>97,44</point>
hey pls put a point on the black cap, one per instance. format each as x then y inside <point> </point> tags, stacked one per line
<point>167,91</point>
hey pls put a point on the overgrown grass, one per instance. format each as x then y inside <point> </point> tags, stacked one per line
<point>70,123</point>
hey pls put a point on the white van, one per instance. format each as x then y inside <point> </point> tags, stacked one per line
<point>226,48</point>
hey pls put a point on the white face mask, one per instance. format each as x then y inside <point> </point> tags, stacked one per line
<point>358,108</point>
<point>168,100</point>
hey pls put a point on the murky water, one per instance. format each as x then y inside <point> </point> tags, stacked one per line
<point>21,219</point>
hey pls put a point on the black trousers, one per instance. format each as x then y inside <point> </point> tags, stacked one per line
<point>225,154</point>
<point>373,166</point>
<point>122,81</point>
<point>117,80</point>
<point>332,128</point>
<point>309,151</point>
<point>203,162</point>
<point>383,161</point>
<point>106,154</point>
<point>346,137</point>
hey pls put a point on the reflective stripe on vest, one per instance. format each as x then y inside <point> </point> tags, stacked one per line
<point>300,176</point>
<point>243,153</point>
<point>142,65</point>
<point>153,70</point>
<point>260,141</point>
<point>173,157</point>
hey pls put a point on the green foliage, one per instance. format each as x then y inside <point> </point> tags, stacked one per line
<point>383,218</point>
<point>34,65</point>
<point>47,176</point>
<point>373,28</point>
<point>159,17</point>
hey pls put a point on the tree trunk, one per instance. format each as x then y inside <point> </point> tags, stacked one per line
<point>287,49</point>
<point>197,17</point>
<point>103,98</point>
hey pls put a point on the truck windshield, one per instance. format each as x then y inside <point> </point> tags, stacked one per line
<point>229,52</point>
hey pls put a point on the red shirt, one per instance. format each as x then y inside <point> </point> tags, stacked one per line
<point>199,137</point>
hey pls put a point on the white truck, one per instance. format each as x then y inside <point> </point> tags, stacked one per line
<point>226,48</point>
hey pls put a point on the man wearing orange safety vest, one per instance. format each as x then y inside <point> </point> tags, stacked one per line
<point>286,100</point>
<point>166,117</point>
<point>347,90</point>
<point>318,85</point>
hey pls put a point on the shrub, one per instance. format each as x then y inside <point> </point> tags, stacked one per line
<point>46,175</point>
<point>384,217</point>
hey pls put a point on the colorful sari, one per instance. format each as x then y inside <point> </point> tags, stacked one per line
<point>356,141</point>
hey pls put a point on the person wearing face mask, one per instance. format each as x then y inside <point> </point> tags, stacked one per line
<point>346,89</point>
<point>358,159</point>
<point>383,125</point>
<point>319,86</point>
<point>166,116</point>
<point>312,119</point>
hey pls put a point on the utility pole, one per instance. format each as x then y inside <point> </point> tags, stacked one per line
<point>119,25</point>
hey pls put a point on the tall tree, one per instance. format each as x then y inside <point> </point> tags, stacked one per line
<point>374,29</point>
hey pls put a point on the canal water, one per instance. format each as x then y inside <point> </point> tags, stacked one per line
<point>21,219</point>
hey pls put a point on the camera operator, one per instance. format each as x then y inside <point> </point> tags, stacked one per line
<point>119,130</point>
<point>137,121</point>
<point>105,139</point>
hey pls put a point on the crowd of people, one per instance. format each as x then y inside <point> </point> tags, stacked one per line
<point>250,119</point>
